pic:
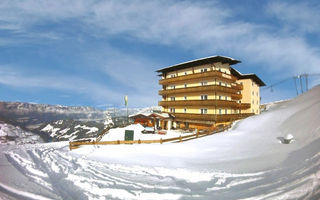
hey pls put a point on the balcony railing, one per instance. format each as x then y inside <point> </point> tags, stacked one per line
<point>199,76</point>
<point>237,86</point>
<point>218,103</point>
<point>211,117</point>
<point>208,88</point>
<point>236,96</point>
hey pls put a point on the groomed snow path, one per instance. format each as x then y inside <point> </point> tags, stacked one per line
<point>247,162</point>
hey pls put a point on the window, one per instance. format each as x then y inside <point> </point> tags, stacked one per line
<point>257,93</point>
<point>185,85</point>
<point>172,98</point>
<point>220,83</point>
<point>226,98</point>
<point>173,87</point>
<point>172,75</point>
<point>185,73</point>
<point>185,97</point>
<point>226,111</point>
<point>172,110</point>
<point>252,92</point>
<point>184,110</point>
<point>252,101</point>
<point>204,97</point>
<point>220,97</point>
<point>204,83</point>
<point>220,111</point>
<point>203,70</point>
<point>204,110</point>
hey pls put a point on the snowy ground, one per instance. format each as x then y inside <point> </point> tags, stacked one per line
<point>247,162</point>
<point>119,133</point>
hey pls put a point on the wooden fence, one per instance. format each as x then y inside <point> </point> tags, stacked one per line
<point>76,144</point>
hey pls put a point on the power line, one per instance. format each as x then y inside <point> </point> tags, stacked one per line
<point>300,77</point>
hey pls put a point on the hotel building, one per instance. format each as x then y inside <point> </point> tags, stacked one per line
<point>207,93</point>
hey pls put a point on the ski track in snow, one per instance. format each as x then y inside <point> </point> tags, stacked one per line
<point>79,178</point>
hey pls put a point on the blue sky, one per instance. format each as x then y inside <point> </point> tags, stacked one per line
<point>90,52</point>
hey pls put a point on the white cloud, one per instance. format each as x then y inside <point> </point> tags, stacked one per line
<point>204,28</point>
<point>207,29</point>
<point>298,16</point>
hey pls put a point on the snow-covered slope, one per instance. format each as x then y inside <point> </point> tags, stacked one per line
<point>247,162</point>
<point>10,134</point>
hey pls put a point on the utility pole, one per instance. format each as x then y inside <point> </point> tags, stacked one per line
<point>295,84</point>
<point>306,77</point>
<point>126,104</point>
<point>301,84</point>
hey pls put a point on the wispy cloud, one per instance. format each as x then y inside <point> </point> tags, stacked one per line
<point>301,17</point>
<point>204,28</point>
<point>97,92</point>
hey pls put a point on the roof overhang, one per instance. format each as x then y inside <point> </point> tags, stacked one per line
<point>253,77</point>
<point>197,62</point>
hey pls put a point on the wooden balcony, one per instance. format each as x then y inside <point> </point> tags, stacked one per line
<point>236,96</point>
<point>210,117</point>
<point>244,106</point>
<point>237,86</point>
<point>208,88</point>
<point>200,103</point>
<point>199,76</point>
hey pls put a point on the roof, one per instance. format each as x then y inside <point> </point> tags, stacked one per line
<point>240,76</point>
<point>201,61</point>
<point>150,115</point>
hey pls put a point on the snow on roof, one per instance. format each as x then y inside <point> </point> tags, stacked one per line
<point>205,60</point>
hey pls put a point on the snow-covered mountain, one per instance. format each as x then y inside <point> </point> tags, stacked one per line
<point>71,130</point>
<point>122,112</point>
<point>10,134</point>
<point>56,122</point>
<point>32,116</point>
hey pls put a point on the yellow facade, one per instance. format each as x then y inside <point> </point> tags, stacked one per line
<point>251,95</point>
<point>208,92</point>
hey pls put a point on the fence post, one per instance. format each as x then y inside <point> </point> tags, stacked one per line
<point>139,141</point>
<point>197,134</point>
<point>160,140</point>
<point>180,139</point>
<point>118,141</point>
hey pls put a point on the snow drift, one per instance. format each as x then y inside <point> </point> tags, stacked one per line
<point>247,162</point>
